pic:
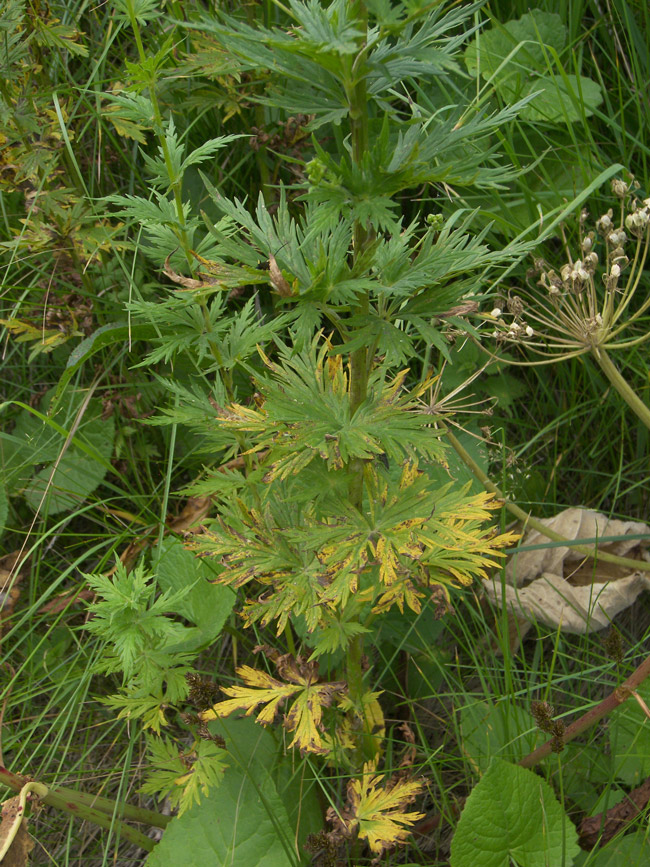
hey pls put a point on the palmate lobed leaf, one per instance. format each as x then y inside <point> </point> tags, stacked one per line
<point>379,812</point>
<point>312,560</point>
<point>183,776</point>
<point>304,716</point>
<point>305,415</point>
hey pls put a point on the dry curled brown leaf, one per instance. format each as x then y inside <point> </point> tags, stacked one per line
<point>557,586</point>
<point>600,829</point>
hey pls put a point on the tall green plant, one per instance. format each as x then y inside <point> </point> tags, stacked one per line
<point>298,318</point>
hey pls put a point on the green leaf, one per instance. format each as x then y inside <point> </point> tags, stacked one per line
<point>206,605</point>
<point>513,816</point>
<point>74,479</point>
<point>501,729</point>
<point>561,98</point>
<point>629,739</point>
<point>517,58</point>
<point>113,332</point>
<point>512,51</point>
<point>184,775</point>
<point>251,817</point>
<point>632,851</point>
<point>77,474</point>
<point>39,437</point>
<point>56,36</point>
<point>127,614</point>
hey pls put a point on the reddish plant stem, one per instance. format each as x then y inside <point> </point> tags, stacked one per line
<point>594,715</point>
<point>617,697</point>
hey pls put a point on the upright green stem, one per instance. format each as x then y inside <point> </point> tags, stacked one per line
<point>628,394</point>
<point>175,181</point>
<point>359,366</point>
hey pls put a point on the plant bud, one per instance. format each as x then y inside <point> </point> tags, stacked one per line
<point>637,222</point>
<point>604,224</point>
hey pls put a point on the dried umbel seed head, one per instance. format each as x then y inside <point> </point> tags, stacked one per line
<point>617,238</point>
<point>619,188</point>
<point>592,325</point>
<point>552,282</point>
<point>604,224</point>
<point>575,276</point>
<point>619,258</point>
<point>611,279</point>
<point>637,222</point>
<point>515,305</point>
<point>590,263</point>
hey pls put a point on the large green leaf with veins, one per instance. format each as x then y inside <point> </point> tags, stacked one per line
<point>259,814</point>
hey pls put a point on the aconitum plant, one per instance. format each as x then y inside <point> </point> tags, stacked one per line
<point>304,317</point>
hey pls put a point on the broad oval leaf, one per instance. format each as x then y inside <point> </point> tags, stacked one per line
<point>513,817</point>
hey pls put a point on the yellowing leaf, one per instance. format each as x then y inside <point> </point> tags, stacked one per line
<point>378,812</point>
<point>388,562</point>
<point>126,127</point>
<point>304,717</point>
<point>261,689</point>
<point>368,714</point>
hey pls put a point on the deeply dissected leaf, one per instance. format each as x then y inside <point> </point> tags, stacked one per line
<point>306,414</point>
<point>513,816</point>
<point>184,776</point>
<point>301,684</point>
<point>378,813</point>
<point>415,536</point>
<point>142,635</point>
